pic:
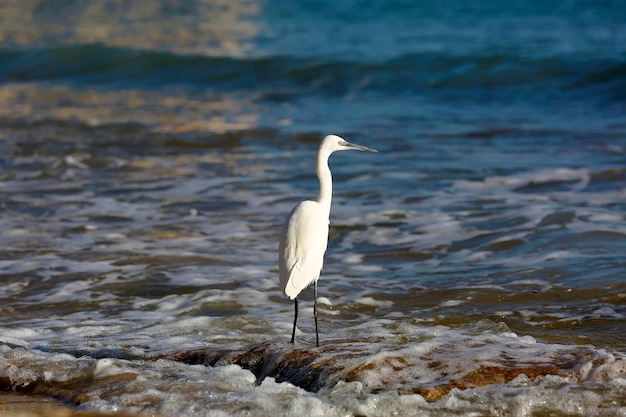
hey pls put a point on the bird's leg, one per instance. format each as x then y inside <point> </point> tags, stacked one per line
<point>295,319</point>
<point>317,337</point>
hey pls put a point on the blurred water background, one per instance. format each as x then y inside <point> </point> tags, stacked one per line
<point>150,151</point>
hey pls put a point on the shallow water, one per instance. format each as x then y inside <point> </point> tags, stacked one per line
<point>149,156</point>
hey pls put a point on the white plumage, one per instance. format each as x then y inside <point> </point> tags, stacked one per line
<point>304,236</point>
<point>302,247</point>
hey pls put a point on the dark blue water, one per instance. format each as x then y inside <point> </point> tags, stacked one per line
<point>150,151</point>
<point>378,66</point>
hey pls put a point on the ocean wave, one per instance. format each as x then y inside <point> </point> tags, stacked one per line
<point>280,76</point>
<point>432,367</point>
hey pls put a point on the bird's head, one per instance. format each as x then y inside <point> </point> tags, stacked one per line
<point>332,143</point>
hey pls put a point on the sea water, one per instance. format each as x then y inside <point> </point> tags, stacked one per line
<point>150,151</point>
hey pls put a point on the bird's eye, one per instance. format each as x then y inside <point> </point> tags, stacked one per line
<point>342,143</point>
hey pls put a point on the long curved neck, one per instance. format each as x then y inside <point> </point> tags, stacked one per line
<point>326,180</point>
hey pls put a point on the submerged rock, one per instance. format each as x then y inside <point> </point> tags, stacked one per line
<point>21,405</point>
<point>430,370</point>
<point>432,367</point>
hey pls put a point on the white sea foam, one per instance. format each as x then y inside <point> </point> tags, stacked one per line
<point>175,262</point>
<point>452,303</point>
<point>372,302</point>
<point>231,390</point>
<point>581,176</point>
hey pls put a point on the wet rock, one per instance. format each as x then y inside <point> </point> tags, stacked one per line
<point>430,367</point>
<point>21,405</point>
<point>429,371</point>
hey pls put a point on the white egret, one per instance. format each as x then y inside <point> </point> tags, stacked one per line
<point>305,234</point>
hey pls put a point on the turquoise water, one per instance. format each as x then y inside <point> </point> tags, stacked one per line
<point>150,151</point>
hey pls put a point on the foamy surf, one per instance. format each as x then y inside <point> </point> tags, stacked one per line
<point>149,156</point>
<point>412,370</point>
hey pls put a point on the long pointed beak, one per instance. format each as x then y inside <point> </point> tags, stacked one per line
<point>358,147</point>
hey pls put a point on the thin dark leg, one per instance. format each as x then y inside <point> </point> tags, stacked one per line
<point>295,319</point>
<point>317,336</point>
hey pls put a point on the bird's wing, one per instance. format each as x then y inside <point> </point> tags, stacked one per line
<point>302,246</point>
